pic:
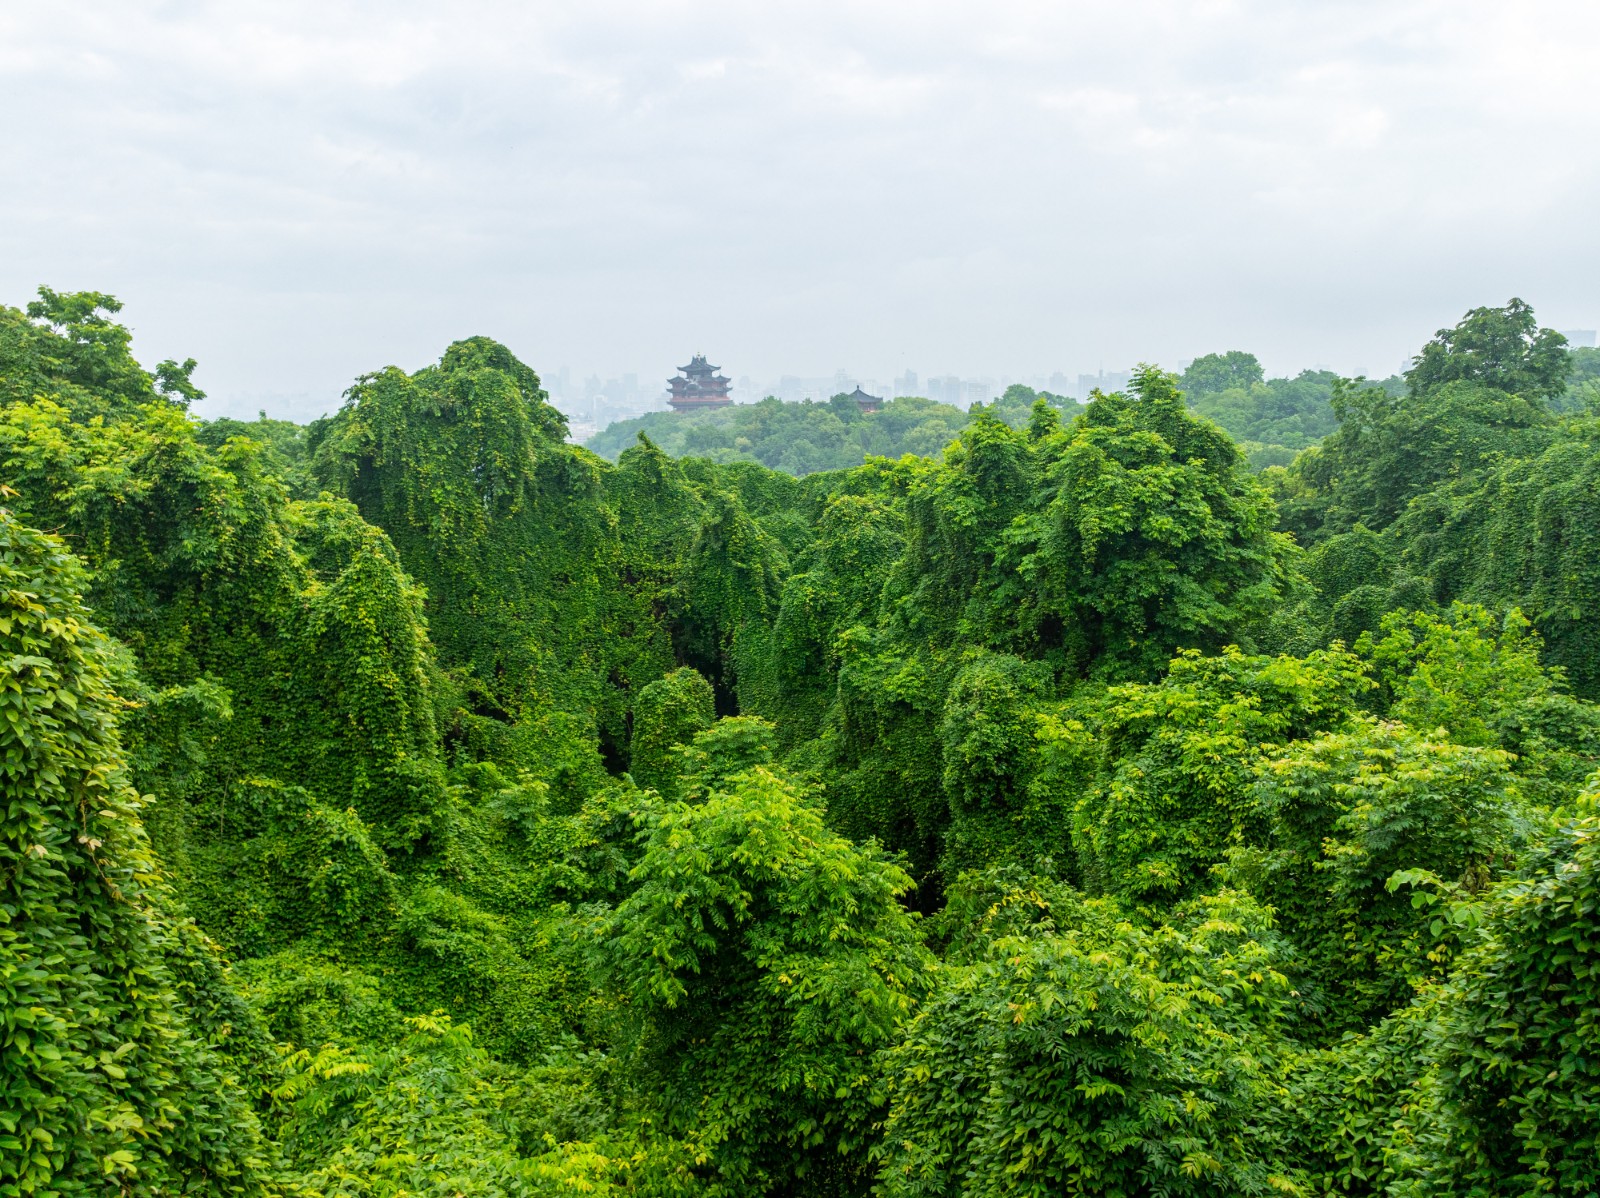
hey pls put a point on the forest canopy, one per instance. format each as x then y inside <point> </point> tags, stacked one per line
<point>1041,799</point>
<point>1270,419</point>
<point>807,437</point>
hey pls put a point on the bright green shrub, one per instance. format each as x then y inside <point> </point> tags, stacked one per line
<point>464,466</point>
<point>666,715</point>
<point>430,1115</point>
<point>1479,677</point>
<point>1080,1054</point>
<point>759,963</point>
<point>1511,1100</point>
<point>720,753</point>
<point>290,628</point>
<point>103,1082</point>
<point>1348,812</point>
<point>1154,538</point>
<point>1158,775</point>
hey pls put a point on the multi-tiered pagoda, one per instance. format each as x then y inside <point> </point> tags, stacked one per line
<point>867,403</point>
<point>700,389</point>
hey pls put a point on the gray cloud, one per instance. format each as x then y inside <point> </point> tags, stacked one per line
<point>295,193</point>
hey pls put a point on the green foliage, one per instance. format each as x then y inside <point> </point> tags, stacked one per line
<point>463,464</point>
<point>760,961</point>
<point>1278,416</point>
<point>1213,373</point>
<point>1523,534</point>
<point>103,1081</point>
<point>1389,450</point>
<point>666,715</point>
<point>1480,680</point>
<point>1154,539</point>
<point>1160,790</point>
<point>1475,393</point>
<point>1503,348</point>
<point>1017,405</point>
<point>282,453</point>
<point>728,748</point>
<point>426,701</point>
<point>1082,1054</point>
<point>1270,418</point>
<point>1583,391</point>
<point>1511,1101</point>
<point>1351,810</point>
<point>987,741</point>
<point>1486,1084</point>
<point>727,594</point>
<point>836,585</point>
<point>298,614</point>
<point>269,865</point>
<point>65,347</point>
<point>1097,548</point>
<point>431,1115</point>
<point>796,438</point>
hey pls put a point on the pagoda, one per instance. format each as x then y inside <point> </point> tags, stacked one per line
<point>700,389</point>
<point>867,403</point>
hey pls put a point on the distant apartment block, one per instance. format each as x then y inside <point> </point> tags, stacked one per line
<point>1105,380</point>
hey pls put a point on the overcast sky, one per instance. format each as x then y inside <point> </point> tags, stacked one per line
<point>296,193</point>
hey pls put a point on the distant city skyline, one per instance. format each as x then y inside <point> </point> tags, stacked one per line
<point>599,402</point>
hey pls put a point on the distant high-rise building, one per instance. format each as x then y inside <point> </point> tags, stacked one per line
<point>906,384</point>
<point>1059,383</point>
<point>1579,338</point>
<point>1107,381</point>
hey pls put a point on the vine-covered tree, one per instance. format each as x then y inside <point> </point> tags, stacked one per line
<point>456,811</point>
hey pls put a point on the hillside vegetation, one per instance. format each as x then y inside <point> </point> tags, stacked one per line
<point>415,803</point>
<point>806,437</point>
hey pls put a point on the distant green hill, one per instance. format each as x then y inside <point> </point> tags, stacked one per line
<point>1272,419</point>
<point>807,437</point>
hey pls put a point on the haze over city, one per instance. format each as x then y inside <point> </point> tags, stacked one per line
<point>295,193</point>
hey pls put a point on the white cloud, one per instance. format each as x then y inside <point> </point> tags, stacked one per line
<point>297,192</point>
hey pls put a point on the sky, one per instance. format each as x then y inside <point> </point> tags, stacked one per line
<point>297,193</point>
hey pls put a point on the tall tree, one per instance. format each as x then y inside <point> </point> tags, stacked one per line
<point>1503,348</point>
<point>1211,373</point>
